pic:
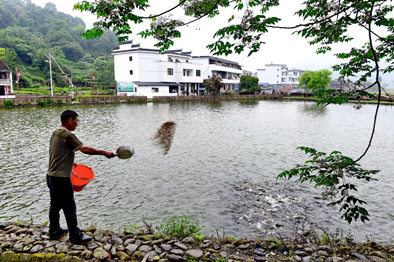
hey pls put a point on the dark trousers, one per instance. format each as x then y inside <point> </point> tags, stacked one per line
<point>62,197</point>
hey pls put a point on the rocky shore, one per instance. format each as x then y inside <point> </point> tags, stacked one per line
<point>26,242</point>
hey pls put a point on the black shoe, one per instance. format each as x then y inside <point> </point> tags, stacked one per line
<point>80,239</point>
<point>55,235</point>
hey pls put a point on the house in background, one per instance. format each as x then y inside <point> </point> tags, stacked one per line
<point>6,88</point>
<point>147,72</point>
<point>278,74</point>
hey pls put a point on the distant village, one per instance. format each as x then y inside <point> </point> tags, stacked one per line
<point>147,72</point>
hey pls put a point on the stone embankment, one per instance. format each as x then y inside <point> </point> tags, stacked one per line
<point>25,242</point>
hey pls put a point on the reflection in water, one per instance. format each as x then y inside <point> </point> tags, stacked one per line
<point>313,108</point>
<point>217,145</point>
<point>215,104</point>
<point>249,103</point>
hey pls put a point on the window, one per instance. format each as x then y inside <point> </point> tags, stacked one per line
<point>155,90</point>
<point>198,72</point>
<point>131,72</point>
<point>130,58</point>
<point>170,71</point>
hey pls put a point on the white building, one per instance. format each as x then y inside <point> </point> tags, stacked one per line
<point>6,89</point>
<point>278,74</point>
<point>146,72</point>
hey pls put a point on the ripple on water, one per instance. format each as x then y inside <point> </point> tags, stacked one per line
<point>216,147</point>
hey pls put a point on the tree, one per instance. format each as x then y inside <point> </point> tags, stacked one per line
<point>213,84</point>
<point>325,23</point>
<point>2,53</point>
<point>316,81</point>
<point>250,84</point>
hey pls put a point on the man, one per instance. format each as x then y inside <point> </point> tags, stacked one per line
<point>63,145</point>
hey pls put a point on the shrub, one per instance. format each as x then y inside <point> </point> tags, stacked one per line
<point>179,226</point>
<point>41,102</point>
<point>50,101</point>
<point>59,101</point>
<point>9,103</point>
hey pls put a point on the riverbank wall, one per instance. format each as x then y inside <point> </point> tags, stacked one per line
<point>47,100</point>
<point>31,243</point>
<point>58,99</point>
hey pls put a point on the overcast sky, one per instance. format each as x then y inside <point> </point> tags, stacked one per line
<point>281,46</point>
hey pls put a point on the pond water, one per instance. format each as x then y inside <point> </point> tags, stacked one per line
<point>221,168</point>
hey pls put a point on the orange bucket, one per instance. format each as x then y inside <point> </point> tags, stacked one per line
<point>81,176</point>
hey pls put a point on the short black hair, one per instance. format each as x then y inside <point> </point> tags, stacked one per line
<point>67,114</point>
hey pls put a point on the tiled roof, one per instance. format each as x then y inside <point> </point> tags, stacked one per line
<point>4,66</point>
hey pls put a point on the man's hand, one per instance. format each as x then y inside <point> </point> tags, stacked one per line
<point>93,151</point>
<point>109,154</point>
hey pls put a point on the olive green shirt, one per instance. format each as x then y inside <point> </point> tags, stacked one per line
<point>63,145</point>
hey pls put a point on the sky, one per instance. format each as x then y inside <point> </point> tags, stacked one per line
<point>281,46</point>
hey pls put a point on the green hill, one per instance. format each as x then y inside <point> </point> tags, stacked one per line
<point>28,31</point>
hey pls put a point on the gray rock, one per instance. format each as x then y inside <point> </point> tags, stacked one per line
<point>300,253</point>
<point>116,241</point>
<point>123,256</point>
<point>74,253</point>
<point>87,254</point>
<point>308,250</point>
<point>78,247</point>
<point>113,250</point>
<point>197,253</point>
<point>120,248</point>
<point>173,257</point>
<point>36,249</point>
<point>27,248</point>
<point>18,248</point>
<point>166,247</point>
<point>50,250</point>
<point>101,254</point>
<point>145,248</point>
<point>107,247</point>
<point>92,246</point>
<point>322,253</point>
<point>63,248</point>
<point>148,237</point>
<point>307,259</point>
<point>206,243</point>
<point>131,248</point>
<point>246,246</point>
<point>325,248</point>
<point>298,258</point>
<point>177,252</point>
<point>223,254</point>
<point>105,239</point>
<point>189,240</point>
<point>151,256</point>
<point>180,245</point>
<point>157,241</point>
<point>157,249</point>
<point>98,235</point>
<point>359,256</point>
<point>51,244</point>
<point>129,241</point>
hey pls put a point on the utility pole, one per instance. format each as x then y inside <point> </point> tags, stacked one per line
<point>50,69</point>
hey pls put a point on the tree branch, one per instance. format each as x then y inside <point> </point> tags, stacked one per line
<point>376,81</point>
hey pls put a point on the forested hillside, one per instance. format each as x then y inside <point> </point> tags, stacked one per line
<point>27,31</point>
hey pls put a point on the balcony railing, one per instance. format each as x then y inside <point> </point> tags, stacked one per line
<point>5,82</point>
